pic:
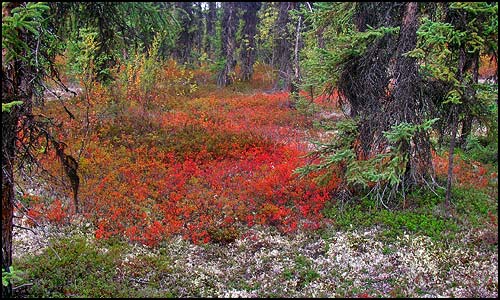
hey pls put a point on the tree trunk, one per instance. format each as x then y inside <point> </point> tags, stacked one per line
<point>9,121</point>
<point>294,90</point>
<point>248,43</point>
<point>383,89</point>
<point>454,116</point>
<point>466,131</point>
<point>210,19</point>
<point>449,179</point>
<point>283,47</point>
<point>225,76</point>
<point>469,118</point>
<point>186,38</point>
<point>197,20</point>
<point>407,105</point>
<point>364,80</point>
<point>16,85</point>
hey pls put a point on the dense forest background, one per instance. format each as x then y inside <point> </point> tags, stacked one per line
<point>144,121</point>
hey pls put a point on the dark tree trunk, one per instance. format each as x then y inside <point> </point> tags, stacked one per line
<point>454,128</point>
<point>364,80</point>
<point>321,40</point>
<point>16,85</point>
<point>225,76</point>
<point>294,88</point>
<point>383,88</point>
<point>9,121</point>
<point>211,18</point>
<point>186,37</point>
<point>466,131</point>
<point>459,20</point>
<point>407,106</point>
<point>198,23</point>
<point>469,118</point>
<point>283,47</point>
<point>250,10</point>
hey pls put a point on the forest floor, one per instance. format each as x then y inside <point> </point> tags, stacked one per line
<point>191,193</point>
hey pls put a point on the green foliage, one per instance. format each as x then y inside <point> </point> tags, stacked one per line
<point>11,276</point>
<point>78,269</point>
<point>28,37</point>
<point>482,150</point>
<point>218,66</point>
<point>6,107</point>
<point>425,216</point>
<point>150,65</point>
<point>116,31</point>
<point>149,23</point>
<point>223,234</point>
<point>23,19</point>
<point>474,206</point>
<point>305,106</point>
<point>267,16</point>
<point>383,169</point>
<point>321,66</point>
<point>486,109</point>
<point>438,51</point>
<point>83,59</point>
<point>303,272</point>
<point>403,132</point>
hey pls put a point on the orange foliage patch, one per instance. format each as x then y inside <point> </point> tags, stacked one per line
<point>464,173</point>
<point>488,67</point>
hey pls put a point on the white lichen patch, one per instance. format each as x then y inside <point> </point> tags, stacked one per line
<point>265,263</point>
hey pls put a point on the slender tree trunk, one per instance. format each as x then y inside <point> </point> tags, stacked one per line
<point>283,47</point>
<point>225,76</point>
<point>468,119</point>
<point>248,43</point>
<point>466,131</point>
<point>211,18</point>
<point>16,85</point>
<point>9,121</point>
<point>198,20</point>
<point>294,91</point>
<point>186,38</point>
<point>454,116</point>
<point>320,38</point>
<point>449,179</point>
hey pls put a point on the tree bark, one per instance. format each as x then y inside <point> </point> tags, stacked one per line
<point>449,179</point>
<point>283,47</point>
<point>294,89</point>
<point>186,38</point>
<point>9,121</point>
<point>210,33</point>
<point>250,10</point>
<point>407,105</point>
<point>225,76</point>
<point>469,118</point>
<point>383,89</point>
<point>16,85</point>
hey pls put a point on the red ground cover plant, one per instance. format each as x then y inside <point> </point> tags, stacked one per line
<point>204,167</point>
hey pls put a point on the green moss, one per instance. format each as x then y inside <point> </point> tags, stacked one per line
<point>426,215</point>
<point>76,268</point>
